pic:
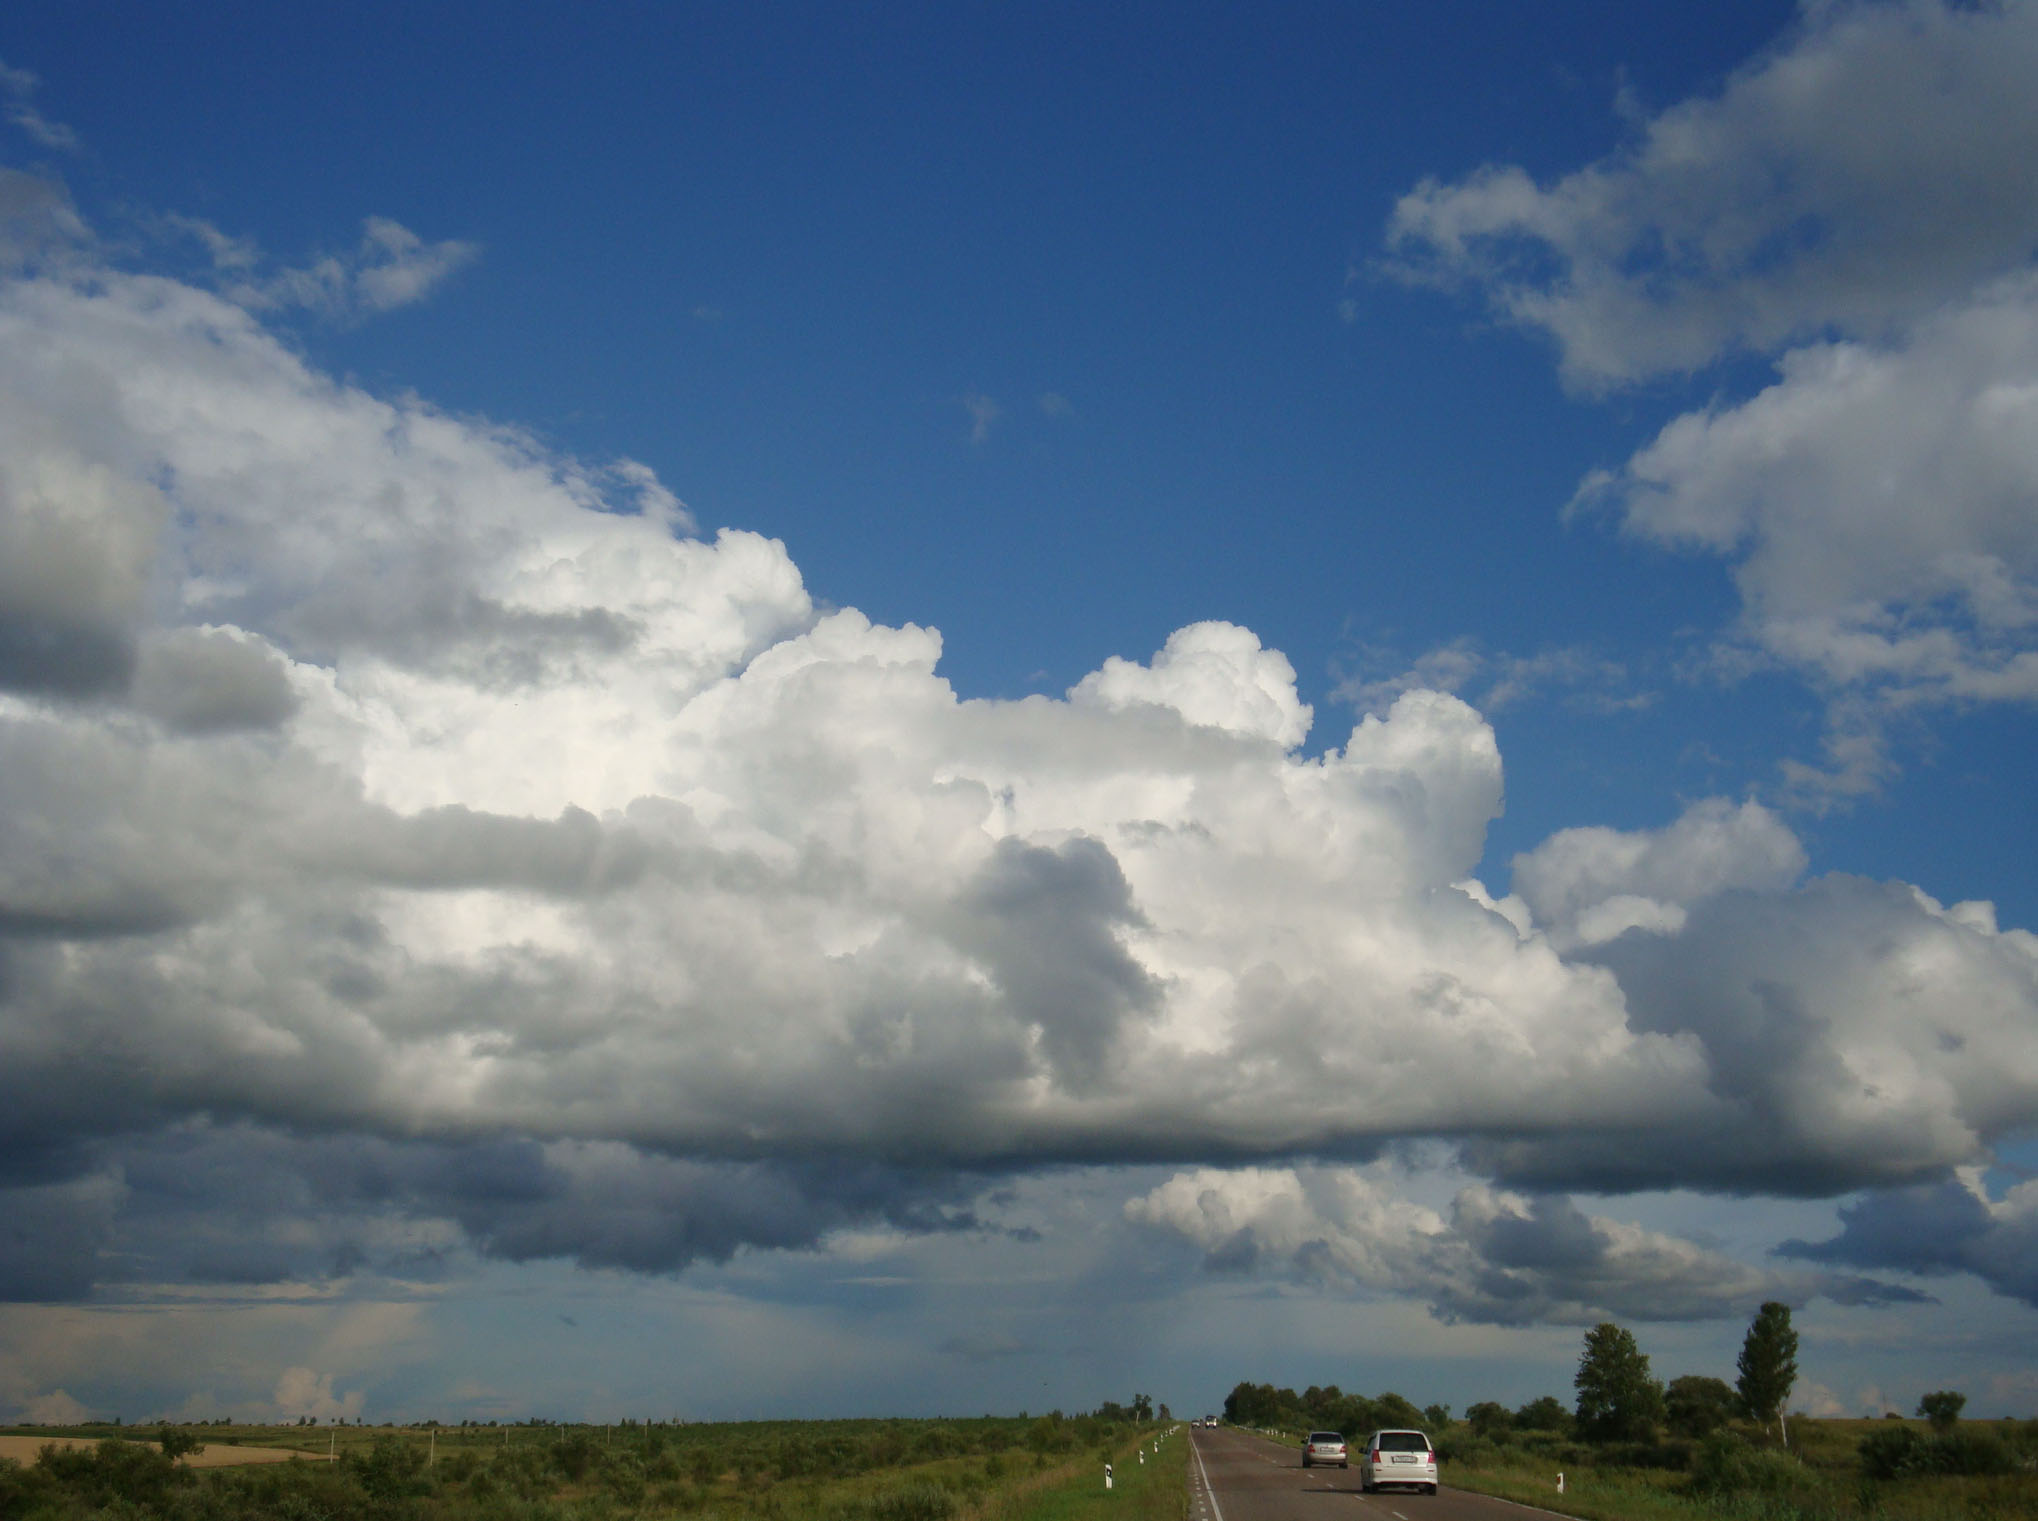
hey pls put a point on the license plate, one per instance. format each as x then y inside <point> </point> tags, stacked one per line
<point>1402,1457</point>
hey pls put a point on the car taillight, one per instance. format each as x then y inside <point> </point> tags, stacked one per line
<point>1376,1455</point>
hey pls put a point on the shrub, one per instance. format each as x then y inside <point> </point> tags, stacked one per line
<point>1725,1464</point>
<point>574,1455</point>
<point>623,1477</point>
<point>1697,1405</point>
<point>23,1490</point>
<point>914,1502</point>
<point>911,1502</point>
<point>392,1469</point>
<point>1472,1450</point>
<point>130,1471</point>
<point>1902,1452</point>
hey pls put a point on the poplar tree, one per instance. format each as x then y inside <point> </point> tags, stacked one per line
<point>1768,1366</point>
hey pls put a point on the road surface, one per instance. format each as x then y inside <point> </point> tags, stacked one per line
<point>1237,1477</point>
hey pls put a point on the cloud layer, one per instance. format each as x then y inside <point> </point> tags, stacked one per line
<point>1495,1257</point>
<point>393,808</point>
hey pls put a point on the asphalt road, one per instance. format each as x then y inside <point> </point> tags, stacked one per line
<point>1237,1477</point>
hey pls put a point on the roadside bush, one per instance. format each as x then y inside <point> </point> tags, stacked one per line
<point>575,1454</point>
<point>913,1502</point>
<point>1696,1406</point>
<point>113,1471</point>
<point>523,1472</point>
<point>1725,1464</point>
<point>1472,1450</point>
<point>1901,1452</point>
<point>933,1442</point>
<point>286,1492</point>
<point>622,1476</point>
<point>1672,1455</point>
<point>23,1490</point>
<point>392,1469</point>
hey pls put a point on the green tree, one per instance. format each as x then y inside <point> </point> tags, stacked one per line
<point>1252,1405</point>
<point>1617,1399</point>
<point>1697,1406</point>
<point>1544,1413</point>
<point>1768,1366</point>
<point>1942,1408</point>
<point>1393,1410</point>
<point>177,1443</point>
<point>1489,1419</point>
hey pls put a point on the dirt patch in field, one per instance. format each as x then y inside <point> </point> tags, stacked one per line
<point>23,1449</point>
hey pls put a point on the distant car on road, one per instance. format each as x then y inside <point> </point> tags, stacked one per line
<point>1398,1458</point>
<point>1325,1447</point>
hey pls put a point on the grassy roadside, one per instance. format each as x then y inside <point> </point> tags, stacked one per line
<point>1156,1490</point>
<point>1819,1479</point>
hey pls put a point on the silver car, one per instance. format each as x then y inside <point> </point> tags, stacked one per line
<point>1325,1447</point>
<point>1401,1458</point>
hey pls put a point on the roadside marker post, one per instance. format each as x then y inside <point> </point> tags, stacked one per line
<point>1107,1475</point>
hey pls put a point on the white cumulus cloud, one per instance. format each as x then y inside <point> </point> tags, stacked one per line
<point>1855,204</point>
<point>1863,172</point>
<point>377,775</point>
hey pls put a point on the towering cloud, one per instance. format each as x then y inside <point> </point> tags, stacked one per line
<point>403,824</point>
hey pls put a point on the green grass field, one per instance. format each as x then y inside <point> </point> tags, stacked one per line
<point>1046,1469</point>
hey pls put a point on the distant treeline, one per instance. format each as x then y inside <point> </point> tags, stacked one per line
<point>1351,1415</point>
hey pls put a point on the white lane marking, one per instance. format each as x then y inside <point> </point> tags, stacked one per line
<point>1215,1509</point>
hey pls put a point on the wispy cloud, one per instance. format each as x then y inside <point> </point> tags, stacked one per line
<point>18,89</point>
<point>390,267</point>
<point>983,411</point>
<point>1492,680</point>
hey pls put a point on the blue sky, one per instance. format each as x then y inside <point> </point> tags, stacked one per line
<point>1509,538</point>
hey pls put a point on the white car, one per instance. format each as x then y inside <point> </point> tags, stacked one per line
<point>1398,1458</point>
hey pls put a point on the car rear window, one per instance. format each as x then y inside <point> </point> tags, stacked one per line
<point>1403,1441</point>
<point>1326,1436</point>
